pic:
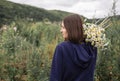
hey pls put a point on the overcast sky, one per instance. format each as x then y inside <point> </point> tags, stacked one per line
<point>87,8</point>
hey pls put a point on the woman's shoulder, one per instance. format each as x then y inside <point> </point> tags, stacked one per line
<point>67,43</point>
<point>64,44</point>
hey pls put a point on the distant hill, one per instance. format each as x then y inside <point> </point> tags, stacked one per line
<point>10,11</point>
<point>117,17</point>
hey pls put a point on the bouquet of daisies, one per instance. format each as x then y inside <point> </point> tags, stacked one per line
<point>95,33</point>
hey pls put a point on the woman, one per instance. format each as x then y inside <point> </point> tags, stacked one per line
<point>74,59</point>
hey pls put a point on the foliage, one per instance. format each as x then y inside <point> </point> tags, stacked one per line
<point>10,12</point>
<point>27,52</point>
<point>108,60</point>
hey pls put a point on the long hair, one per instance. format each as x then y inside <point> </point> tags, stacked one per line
<point>74,27</point>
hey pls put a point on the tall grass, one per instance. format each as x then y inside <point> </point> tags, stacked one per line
<point>108,65</point>
<point>26,54</point>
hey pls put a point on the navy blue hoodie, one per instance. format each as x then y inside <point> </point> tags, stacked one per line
<point>73,62</point>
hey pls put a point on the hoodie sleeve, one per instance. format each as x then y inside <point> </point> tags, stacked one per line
<point>57,65</point>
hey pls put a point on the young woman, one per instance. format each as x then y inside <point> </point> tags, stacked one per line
<point>74,59</point>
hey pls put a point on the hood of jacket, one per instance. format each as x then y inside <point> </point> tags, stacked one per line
<point>82,54</point>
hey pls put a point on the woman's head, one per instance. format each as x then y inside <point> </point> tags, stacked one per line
<point>72,28</point>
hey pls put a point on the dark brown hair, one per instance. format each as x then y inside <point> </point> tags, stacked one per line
<point>74,27</point>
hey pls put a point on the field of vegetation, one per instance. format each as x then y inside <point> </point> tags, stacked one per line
<point>26,51</point>
<point>28,40</point>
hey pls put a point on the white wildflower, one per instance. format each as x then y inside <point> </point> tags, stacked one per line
<point>96,33</point>
<point>15,29</point>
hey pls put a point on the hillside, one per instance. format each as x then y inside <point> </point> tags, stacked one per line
<point>10,11</point>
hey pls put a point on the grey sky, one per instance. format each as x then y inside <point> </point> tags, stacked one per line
<point>87,8</point>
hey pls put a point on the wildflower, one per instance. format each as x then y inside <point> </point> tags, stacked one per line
<point>15,29</point>
<point>95,33</point>
<point>5,27</point>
